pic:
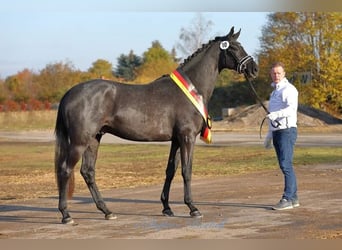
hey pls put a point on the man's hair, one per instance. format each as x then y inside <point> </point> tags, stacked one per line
<point>278,64</point>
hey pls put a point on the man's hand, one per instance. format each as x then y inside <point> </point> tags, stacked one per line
<point>272,116</point>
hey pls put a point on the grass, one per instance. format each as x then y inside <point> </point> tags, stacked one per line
<point>45,120</point>
<point>27,169</point>
<point>28,120</point>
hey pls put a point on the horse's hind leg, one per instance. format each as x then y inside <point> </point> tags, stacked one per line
<point>170,173</point>
<point>88,173</point>
<point>65,179</point>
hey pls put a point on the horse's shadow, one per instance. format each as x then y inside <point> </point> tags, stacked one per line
<point>85,200</point>
<point>33,218</point>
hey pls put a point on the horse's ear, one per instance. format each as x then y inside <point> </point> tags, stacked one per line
<point>231,32</point>
<point>236,35</point>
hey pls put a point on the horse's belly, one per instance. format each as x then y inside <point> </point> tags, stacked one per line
<point>142,130</point>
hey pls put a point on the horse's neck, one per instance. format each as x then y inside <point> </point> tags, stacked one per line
<point>203,74</point>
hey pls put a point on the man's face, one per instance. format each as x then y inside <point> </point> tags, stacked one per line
<point>277,74</point>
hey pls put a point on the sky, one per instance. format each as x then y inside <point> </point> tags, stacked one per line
<point>32,37</point>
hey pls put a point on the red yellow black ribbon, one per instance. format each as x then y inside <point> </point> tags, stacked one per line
<point>184,83</point>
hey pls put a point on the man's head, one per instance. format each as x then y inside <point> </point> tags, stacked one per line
<point>277,72</point>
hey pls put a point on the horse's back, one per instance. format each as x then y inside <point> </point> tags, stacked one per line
<point>86,90</point>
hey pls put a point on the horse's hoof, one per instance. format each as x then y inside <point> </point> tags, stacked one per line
<point>68,221</point>
<point>196,214</point>
<point>110,216</point>
<point>168,212</point>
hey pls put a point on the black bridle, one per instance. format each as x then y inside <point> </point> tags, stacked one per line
<point>241,66</point>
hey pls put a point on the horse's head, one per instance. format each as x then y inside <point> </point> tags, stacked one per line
<point>234,56</point>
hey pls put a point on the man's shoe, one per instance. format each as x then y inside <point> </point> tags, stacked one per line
<point>295,203</point>
<point>283,204</point>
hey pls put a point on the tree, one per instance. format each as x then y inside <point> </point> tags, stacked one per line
<point>101,69</point>
<point>3,94</point>
<point>20,86</point>
<point>54,80</point>
<point>156,62</point>
<point>306,42</point>
<point>127,65</point>
<point>194,36</point>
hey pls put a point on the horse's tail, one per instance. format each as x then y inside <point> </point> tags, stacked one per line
<point>61,150</point>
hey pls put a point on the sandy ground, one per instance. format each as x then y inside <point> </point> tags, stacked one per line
<point>234,207</point>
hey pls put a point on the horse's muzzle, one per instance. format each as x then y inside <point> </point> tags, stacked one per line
<point>251,70</point>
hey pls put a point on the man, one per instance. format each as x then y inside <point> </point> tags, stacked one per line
<point>283,106</point>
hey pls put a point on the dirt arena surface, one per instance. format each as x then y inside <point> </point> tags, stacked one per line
<point>234,207</point>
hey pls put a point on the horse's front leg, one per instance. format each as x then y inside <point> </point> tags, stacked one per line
<point>170,173</point>
<point>187,149</point>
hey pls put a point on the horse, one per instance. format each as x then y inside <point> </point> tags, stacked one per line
<point>157,111</point>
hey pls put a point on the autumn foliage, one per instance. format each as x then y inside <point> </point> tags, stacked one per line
<point>309,44</point>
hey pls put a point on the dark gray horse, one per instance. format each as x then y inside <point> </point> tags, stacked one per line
<point>158,111</point>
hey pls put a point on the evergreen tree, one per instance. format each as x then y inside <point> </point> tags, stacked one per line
<point>127,65</point>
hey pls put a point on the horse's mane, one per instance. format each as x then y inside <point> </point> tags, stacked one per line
<point>202,48</point>
<point>188,59</point>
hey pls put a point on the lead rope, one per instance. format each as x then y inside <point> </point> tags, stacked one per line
<point>262,105</point>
